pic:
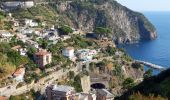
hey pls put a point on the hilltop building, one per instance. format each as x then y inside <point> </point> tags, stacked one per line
<point>13,5</point>
<point>43,57</point>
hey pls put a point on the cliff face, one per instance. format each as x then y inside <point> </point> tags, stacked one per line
<point>127,26</point>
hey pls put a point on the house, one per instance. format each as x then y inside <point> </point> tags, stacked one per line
<point>43,57</point>
<point>31,23</point>
<point>5,36</point>
<point>60,92</point>
<point>86,54</point>
<point>103,94</point>
<point>13,5</point>
<point>22,51</point>
<point>65,37</point>
<point>85,96</point>
<point>28,3</point>
<point>68,52</point>
<point>19,74</point>
<point>32,43</point>
<point>27,31</point>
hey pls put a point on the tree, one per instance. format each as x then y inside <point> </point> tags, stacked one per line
<point>128,83</point>
<point>102,32</point>
<point>71,74</point>
<point>148,73</point>
<point>110,50</point>
<point>65,30</point>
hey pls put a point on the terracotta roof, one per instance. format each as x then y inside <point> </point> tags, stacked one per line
<point>42,52</point>
<point>19,71</point>
<point>3,98</point>
<point>69,48</point>
<point>16,47</point>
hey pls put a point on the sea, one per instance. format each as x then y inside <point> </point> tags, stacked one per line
<point>158,50</point>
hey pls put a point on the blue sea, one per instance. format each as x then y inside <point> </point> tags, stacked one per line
<point>156,51</point>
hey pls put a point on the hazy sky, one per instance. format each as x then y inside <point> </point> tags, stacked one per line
<point>147,5</point>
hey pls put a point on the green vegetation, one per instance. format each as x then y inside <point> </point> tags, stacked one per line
<point>7,25</point>
<point>32,95</point>
<point>40,12</point>
<point>155,85</point>
<point>65,30</point>
<point>128,83</point>
<point>76,83</point>
<point>110,50</point>
<point>102,32</point>
<point>79,42</point>
<point>139,96</point>
<point>148,73</point>
<point>2,15</point>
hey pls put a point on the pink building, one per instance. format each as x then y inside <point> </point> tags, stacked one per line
<point>43,57</point>
<point>60,92</point>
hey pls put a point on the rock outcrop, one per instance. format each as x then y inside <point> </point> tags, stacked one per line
<point>127,26</point>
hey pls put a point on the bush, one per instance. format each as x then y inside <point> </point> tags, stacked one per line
<point>65,30</point>
<point>128,83</point>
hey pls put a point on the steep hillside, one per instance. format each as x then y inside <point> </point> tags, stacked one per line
<point>156,85</point>
<point>127,26</point>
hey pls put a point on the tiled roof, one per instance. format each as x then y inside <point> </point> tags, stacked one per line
<point>3,98</point>
<point>42,52</point>
<point>69,48</point>
<point>16,47</point>
<point>19,71</point>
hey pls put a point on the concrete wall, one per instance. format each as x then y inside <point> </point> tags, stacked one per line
<point>85,83</point>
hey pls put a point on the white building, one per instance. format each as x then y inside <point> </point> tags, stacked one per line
<point>31,23</point>
<point>28,4</point>
<point>103,94</point>
<point>86,54</point>
<point>22,51</point>
<point>68,52</point>
<point>12,5</point>
<point>19,74</point>
<point>5,36</point>
<point>85,96</point>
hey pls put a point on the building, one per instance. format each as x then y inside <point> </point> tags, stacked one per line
<point>31,23</point>
<point>22,51</point>
<point>86,54</point>
<point>19,74</point>
<point>60,92</point>
<point>43,57</point>
<point>68,52</point>
<point>13,5</point>
<point>5,36</point>
<point>31,43</point>
<point>85,96</point>
<point>28,3</point>
<point>103,94</point>
<point>3,98</point>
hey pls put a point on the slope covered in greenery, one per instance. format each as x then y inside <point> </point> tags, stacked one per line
<point>156,86</point>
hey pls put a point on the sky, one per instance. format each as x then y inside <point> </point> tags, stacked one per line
<point>146,5</point>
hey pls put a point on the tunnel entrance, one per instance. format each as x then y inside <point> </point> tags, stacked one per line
<point>98,86</point>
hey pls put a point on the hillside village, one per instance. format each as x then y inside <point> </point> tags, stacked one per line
<point>43,61</point>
